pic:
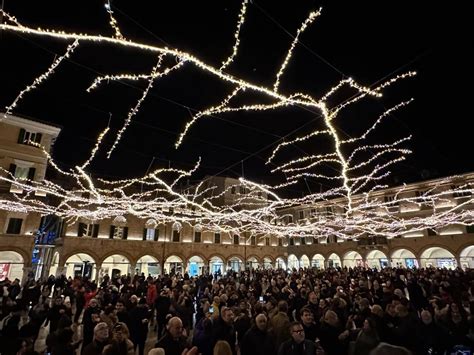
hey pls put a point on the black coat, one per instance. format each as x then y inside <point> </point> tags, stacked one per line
<point>171,346</point>
<point>290,347</point>
<point>257,342</point>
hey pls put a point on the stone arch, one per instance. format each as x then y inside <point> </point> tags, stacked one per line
<point>377,259</point>
<point>293,262</point>
<point>254,256</point>
<point>253,262</point>
<point>85,266</point>
<point>12,264</point>
<point>280,262</point>
<point>23,253</point>
<point>304,261</point>
<point>196,265</point>
<point>352,258</point>
<point>334,260</point>
<point>238,256</point>
<point>235,262</point>
<point>271,258</point>
<point>116,267</point>
<point>267,262</point>
<point>175,255</point>
<point>317,261</point>
<point>149,266</point>
<point>466,257</point>
<point>217,264</point>
<point>204,259</point>
<point>174,263</point>
<point>125,254</point>
<point>217,255</point>
<point>437,256</point>
<point>404,257</point>
<point>63,258</point>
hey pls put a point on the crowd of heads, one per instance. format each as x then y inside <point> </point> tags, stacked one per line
<point>332,311</point>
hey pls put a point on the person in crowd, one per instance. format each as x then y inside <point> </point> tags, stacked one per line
<point>367,338</point>
<point>100,340</point>
<point>120,343</point>
<point>222,348</point>
<point>174,341</point>
<point>139,322</point>
<point>297,344</point>
<point>202,336</point>
<point>350,310</point>
<point>223,328</point>
<point>280,324</point>
<point>307,321</point>
<point>257,340</point>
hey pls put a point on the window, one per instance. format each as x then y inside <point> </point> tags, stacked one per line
<point>303,240</point>
<point>88,230</point>
<point>315,240</point>
<point>149,234</point>
<point>267,241</point>
<point>300,214</point>
<point>236,239</point>
<point>232,190</point>
<point>431,232</point>
<point>253,240</point>
<point>23,170</point>
<point>26,137</point>
<point>313,212</point>
<point>176,236</point>
<point>329,210</point>
<point>242,190</point>
<point>217,238</point>
<point>197,237</point>
<point>280,242</point>
<point>14,226</point>
<point>292,241</point>
<point>117,232</point>
<point>469,229</point>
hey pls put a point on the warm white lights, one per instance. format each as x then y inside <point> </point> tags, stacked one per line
<point>355,208</point>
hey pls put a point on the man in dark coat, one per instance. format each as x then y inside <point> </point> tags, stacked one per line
<point>257,340</point>
<point>139,325</point>
<point>173,342</point>
<point>297,344</point>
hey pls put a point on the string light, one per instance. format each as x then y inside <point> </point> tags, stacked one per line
<point>113,22</point>
<point>359,208</point>
<point>41,78</point>
<point>230,59</point>
<point>311,17</point>
<point>135,109</point>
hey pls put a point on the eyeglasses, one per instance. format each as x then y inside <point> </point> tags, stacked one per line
<point>299,331</point>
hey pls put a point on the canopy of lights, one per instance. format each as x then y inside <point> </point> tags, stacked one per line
<point>356,207</point>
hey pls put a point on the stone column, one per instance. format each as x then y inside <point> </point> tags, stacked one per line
<point>98,273</point>
<point>26,271</point>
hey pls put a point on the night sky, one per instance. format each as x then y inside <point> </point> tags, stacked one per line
<point>369,41</point>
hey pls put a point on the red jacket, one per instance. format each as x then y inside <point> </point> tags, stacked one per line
<point>151,294</point>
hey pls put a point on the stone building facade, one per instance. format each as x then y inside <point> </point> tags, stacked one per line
<point>131,245</point>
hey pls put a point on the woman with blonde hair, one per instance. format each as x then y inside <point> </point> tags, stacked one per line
<point>222,348</point>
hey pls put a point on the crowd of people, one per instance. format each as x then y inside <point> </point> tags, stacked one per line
<point>308,311</point>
